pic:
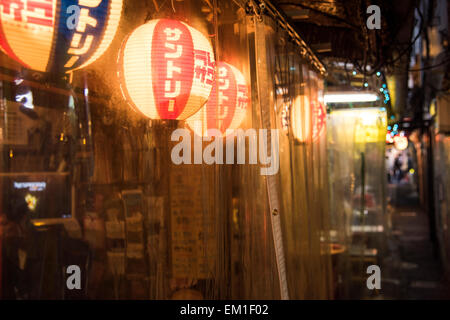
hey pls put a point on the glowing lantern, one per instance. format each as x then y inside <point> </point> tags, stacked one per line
<point>308,119</point>
<point>400,143</point>
<point>389,138</point>
<point>57,35</point>
<point>227,103</point>
<point>301,118</point>
<point>319,119</point>
<point>167,69</point>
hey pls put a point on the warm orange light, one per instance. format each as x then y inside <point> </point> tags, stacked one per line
<point>166,69</point>
<point>308,119</point>
<point>400,143</point>
<point>301,118</point>
<point>31,201</point>
<point>227,104</point>
<point>319,119</point>
<point>389,138</point>
<point>57,35</point>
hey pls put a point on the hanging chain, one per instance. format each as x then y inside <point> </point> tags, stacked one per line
<point>259,8</point>
<point>254,9</point>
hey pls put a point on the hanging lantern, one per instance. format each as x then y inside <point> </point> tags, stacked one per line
<point>400,143</point>
<point>308,119</point>
<point>319,119</point>
<point>301,118</point>
<point>57,35</point>
<point>227,104</point>
<point>389,138</point>
<point>166,69</point>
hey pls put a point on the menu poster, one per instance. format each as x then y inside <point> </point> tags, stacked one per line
<point>94,230</point>
<point>156,231</point>
<point>115,236</point>
<point>114,224</point>
<point>190,225</point>
<point>116,262</point>
<point>134,225</point>
<point>155,214</point>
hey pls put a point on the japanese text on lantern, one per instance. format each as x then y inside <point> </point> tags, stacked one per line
<point>204,67</point>
<point>319,120</point>
<point>39,12</point>
<point>83,19</point>
<point>224,84</point>
<point>171,92</point>
<point>242,97</point>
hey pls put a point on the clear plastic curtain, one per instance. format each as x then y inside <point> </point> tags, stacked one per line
<point>138,225</point>
<point>356,150</point>
<point>303,186</point>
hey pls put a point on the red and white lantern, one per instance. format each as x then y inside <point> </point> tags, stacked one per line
<point>57,36</point>
<point>308,119</point>
<point>301,119</point>
<point>227,104</point>
<point>166,69</point>
<point>319,119</point>
<point>401,143</point>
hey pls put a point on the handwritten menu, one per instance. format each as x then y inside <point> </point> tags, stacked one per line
<point>191,224</point>
<point>134,220</point>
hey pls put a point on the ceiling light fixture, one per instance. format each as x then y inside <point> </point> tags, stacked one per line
<point>347,97</point>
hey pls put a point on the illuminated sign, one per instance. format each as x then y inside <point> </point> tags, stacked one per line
<point>57,35</point>
<point>364,125</point>
<point>31,186</point>
<point>227,103</point>
<point>166,69</point>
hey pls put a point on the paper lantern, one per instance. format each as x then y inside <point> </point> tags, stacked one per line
<point>57,35</point>
<point>308,119</point>
<point>319,119</point>
<point>301,119</point>
<point>400,143</point>
<point>166,69</point>
<point>389,138</point>
<point>227,104</point>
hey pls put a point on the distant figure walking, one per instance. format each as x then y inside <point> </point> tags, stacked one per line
<point>398,169</point>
